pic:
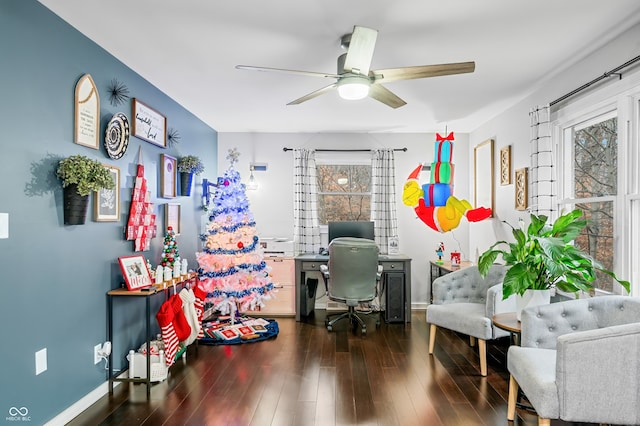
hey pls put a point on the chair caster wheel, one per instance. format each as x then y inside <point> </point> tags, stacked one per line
<point>364,331</point>
<point>329,327</point>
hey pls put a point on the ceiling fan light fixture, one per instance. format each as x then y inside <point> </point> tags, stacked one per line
<point>353,88</point>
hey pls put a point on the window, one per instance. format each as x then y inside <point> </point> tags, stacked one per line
<point>344,192</point>
<point>591,184</point>
<point>344,186</point>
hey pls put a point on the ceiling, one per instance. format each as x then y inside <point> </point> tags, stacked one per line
<point>189,50</point>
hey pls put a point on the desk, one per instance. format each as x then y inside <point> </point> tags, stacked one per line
<point>394,269</point>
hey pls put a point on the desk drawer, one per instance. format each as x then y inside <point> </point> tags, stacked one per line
<point>312,266</point>
<point>392,266</point>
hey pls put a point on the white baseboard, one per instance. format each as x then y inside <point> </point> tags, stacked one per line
<point>85,402</point>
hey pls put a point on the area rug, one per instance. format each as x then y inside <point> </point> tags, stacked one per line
<point>244,330</point>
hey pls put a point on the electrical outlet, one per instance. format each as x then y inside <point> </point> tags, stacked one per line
<point>96,353</point>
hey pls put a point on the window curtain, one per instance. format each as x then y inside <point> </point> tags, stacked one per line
<point>542,173</point>
<point>306,230</point>
<point>383,196</point>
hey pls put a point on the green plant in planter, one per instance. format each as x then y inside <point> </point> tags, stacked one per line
<point>190,164</point>
<point>544,256</point>
<point>89,175</point>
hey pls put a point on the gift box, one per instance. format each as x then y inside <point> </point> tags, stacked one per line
<point>442,172</point>
<point>443,151</point>
<point>436,194</point>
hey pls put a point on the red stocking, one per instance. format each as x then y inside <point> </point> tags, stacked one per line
<point>165,318</point>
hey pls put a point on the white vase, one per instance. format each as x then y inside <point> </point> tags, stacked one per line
<point>531,298</point>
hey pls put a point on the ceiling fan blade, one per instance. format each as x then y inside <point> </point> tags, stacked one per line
<point>386,96</point>
<point>423,71</point>
<point>296,72</point>
<point>360,53</point>
<point>313,94</point>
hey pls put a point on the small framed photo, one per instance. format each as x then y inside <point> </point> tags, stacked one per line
<point>522,194</point>
<point>168,176</point>
<point>172,217</point>
<point>106,202</point>
<point>505,165</point>
<point>135,272</point>
<point>148,124</point>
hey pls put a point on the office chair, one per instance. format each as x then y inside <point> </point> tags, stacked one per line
<point>351,277</point>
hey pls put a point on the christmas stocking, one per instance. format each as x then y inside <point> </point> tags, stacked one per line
<point>200,295</point>
<point>169,337</point>
<point>180,323</point>
<point>189,310</point>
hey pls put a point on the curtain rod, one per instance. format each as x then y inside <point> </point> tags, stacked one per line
<point>595,80</point>
<point>285,149</point>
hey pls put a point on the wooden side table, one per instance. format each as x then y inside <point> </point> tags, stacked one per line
<point>508,321</point>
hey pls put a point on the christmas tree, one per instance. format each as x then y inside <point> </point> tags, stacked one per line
<point>170,252</point>
<point>232,268</point>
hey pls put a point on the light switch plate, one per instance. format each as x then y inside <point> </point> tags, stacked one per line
<point>4,225</point>
<point>41,361</point>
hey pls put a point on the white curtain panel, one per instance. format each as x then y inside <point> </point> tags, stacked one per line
<point>542,172</point>
<point>383,196</point>
<point>306,230</point>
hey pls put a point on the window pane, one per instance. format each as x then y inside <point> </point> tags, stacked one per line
<point>344,192</point>
<point>596,159</point>
<point>343,207</point>
<point>597,238</point>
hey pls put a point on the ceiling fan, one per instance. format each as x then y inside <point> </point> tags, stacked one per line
<point>354,79</point>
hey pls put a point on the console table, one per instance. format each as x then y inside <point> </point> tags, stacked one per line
<point>394,267</point>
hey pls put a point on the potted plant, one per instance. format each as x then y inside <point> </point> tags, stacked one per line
<point>80,177</point>
<point>545,256</point>
<point>188,166</point>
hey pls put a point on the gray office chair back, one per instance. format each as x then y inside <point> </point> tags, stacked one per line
<point>353,265</point>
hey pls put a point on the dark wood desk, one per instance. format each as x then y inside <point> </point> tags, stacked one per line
<point>395,269</point>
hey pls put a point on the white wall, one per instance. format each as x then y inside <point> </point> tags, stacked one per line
<point>512,126</point>
<point>272,203</point>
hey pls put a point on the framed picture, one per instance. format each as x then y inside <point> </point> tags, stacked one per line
<point>172,217</point>
<point>148,124</point>
<point>505,165</point>
<point>168,175</point>
<point>135,272</point>
<point>87,113</point>
<point>522,183</point>
<point>106,202</point>
<point>483,175</point>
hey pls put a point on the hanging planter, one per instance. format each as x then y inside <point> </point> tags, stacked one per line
<point>75,205</point>
<point>185,183</point>
<point>188,166</point>
<point>80,177</point>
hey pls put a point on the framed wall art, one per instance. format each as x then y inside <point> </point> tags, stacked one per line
<point>148,124</point>
<point>106,202</point>
<point>168,175</point>
<point>135,272</point>
<point>505,165</point>
<point>483,175</point>
<point>522,183</point>
<point>172,217</point>
<point>87,113</point>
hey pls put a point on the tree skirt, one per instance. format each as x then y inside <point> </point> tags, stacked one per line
<point>244,330</point>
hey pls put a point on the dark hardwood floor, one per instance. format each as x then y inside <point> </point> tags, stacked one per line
<point>309,376</point>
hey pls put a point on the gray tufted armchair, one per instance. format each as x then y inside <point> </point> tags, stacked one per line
<point>465,302</point>
<point>579,361</point>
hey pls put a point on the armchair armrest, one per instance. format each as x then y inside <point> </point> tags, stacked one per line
<point>497,305</point>
<point>598,371</point>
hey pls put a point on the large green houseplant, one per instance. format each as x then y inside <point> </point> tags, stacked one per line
<point>545,256</point>
<point>80,177</point>
<point>188,166</point>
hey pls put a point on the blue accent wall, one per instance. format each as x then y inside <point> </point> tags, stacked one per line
<point>55,277</point>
